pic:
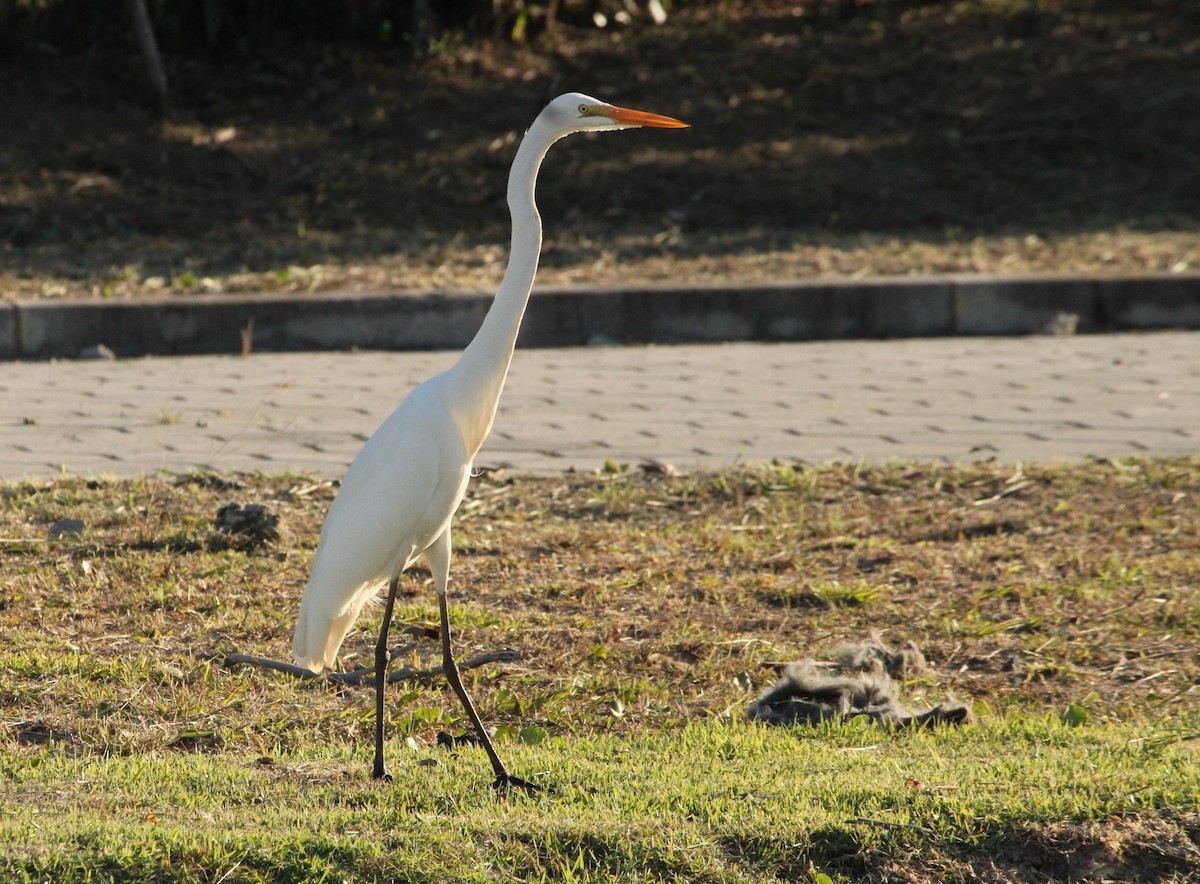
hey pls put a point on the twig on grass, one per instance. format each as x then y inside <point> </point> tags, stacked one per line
<point>366,677</point>
<point>274,665</point>
<point>1011,489</point>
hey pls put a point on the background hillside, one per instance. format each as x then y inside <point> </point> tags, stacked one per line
<point>894,136</point>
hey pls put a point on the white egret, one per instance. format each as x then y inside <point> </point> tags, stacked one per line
<point>400,493</point>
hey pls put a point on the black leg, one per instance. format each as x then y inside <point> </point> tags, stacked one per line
<point>379,771</point>
<point>504,780</point>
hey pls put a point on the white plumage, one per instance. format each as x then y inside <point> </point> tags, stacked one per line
<point>399,495</point>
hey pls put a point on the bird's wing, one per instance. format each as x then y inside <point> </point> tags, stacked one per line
<point>397,497</point>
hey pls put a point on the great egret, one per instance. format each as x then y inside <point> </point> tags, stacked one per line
<point>400,493</point>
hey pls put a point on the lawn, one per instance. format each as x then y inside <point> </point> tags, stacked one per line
<point>643,612</point>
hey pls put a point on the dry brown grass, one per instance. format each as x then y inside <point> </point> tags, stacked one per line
<point>633,600</point>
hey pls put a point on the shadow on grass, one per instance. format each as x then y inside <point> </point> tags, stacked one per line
<point>924,120</point>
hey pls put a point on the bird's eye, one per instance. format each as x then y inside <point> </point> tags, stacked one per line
<point>584,110</point>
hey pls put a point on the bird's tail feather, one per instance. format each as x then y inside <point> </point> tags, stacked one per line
<point>319,636</point>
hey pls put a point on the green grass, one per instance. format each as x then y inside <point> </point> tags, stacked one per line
<point>646,611</point>
<point>713,801</point>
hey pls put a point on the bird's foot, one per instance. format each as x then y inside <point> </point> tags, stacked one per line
<point>380,773</point>
<point>506,782</point>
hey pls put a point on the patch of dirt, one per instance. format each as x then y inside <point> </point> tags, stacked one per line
<point>1120,849</point>
<point>912,137</point>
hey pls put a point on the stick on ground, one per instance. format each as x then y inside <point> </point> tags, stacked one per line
<point>366,677</point>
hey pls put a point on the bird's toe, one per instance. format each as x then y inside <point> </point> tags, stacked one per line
<point>506,782</point>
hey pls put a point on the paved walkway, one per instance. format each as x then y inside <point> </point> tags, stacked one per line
<point>939,399</point>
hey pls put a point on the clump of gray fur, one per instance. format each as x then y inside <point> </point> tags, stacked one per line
<point>244,527</point>
<point>858,681</point>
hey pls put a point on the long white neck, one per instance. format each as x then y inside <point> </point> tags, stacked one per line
<point>477,379</point>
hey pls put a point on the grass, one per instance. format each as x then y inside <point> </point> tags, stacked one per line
<point>692,803</point>
<point>647,611</point>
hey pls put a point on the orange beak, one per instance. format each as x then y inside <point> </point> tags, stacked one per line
<point>627,117</point>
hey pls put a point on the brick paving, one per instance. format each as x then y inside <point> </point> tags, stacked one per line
<point>937,399</point>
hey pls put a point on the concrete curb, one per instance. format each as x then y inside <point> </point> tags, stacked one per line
<point>563,317</point>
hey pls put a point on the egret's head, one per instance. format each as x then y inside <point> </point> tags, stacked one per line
<point>575,112</point>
